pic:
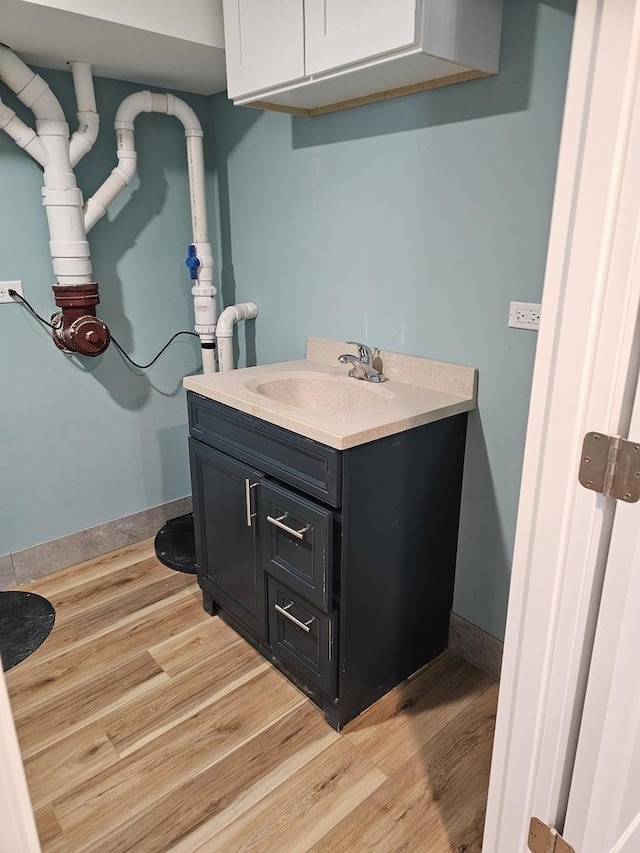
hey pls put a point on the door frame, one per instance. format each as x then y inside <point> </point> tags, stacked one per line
<point>16,815</point>
<point>585,370</point>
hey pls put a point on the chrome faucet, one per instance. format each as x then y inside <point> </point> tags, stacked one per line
<point>362,364</point>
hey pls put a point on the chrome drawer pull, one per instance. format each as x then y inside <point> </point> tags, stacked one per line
<point>299,534</point>
<point>285,612</point>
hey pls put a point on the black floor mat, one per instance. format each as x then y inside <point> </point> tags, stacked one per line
<point>175,544</point>
<point>26,620</point>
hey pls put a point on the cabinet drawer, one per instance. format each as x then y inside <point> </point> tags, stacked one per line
<point>302,637</point>
<point>297,543</point>
<point>308,465</point>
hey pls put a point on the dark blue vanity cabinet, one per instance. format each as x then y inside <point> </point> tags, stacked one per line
<point>337,565</point>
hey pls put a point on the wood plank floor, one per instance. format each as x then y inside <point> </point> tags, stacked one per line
<point>147,725</point>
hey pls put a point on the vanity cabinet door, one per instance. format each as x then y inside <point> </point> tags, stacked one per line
<point>226,520</point>
<point>339,33</point>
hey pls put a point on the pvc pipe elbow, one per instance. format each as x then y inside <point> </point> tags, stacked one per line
<point>29,87</point>
<point>233,314</point>
<point>130,109</point>
<point>183,112</point>
<point>13,71</point>
<point>39,98</point>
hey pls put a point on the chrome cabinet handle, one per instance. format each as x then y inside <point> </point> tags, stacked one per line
<point>247,498</point>
<point>285,612</point>
<point>299,534</point>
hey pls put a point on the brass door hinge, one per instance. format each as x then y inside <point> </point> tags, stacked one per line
<point>611,465</point>
<point>544,839</point>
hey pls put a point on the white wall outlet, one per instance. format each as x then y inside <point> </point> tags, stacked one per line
<point>524,315</point>
<point>6,286</point>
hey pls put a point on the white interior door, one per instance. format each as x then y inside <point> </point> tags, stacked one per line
<point>603,813</point>
<point>339,32</point>
<point>585,379</point>
<point>17,825</point>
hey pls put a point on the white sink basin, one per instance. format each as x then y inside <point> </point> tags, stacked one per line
<point>322,393</point>
<point>314,397</point>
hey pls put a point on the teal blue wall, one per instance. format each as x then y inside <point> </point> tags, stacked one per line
<point>410,225</point>
<point>84,442</point>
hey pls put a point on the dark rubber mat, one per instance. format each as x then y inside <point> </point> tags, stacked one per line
<point>26,620</point>
<point>176,546</point>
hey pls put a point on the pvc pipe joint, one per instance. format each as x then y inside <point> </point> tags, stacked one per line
<point>224,331</point>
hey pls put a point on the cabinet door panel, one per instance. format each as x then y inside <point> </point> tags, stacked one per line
<point>230,567</point>
<point>264,44</point>
<point>338,32</point>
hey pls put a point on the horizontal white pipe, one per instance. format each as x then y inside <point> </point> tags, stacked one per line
<point>224,331</point>
<point>22,134</point>
<point>85,136</point>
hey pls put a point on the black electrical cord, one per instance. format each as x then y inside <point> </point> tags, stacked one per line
<point>15,295</point>
<point>155,358</point>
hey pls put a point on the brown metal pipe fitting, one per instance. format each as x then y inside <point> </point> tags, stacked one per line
<point>76,329</point>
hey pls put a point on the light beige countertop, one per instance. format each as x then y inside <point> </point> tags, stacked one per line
<point>324,403</point>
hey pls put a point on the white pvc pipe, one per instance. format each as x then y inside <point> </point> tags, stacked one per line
<point>22,134</point>
<point>128,111</point>
<point>85,136</point>
<point>208,360</point>
<point>204,291</point>
<point>120,177</point>
<point>60,195</point>
<point>224,330</point>
<point>29,87</point>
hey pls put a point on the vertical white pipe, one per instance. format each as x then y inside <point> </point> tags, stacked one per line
<point>195,165</point>
<point>208,360</point>
<point>85,136</point>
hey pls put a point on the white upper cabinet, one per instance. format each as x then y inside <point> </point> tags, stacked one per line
<point>340,33</point>
<point>265,43</point>
<point>313,56</point>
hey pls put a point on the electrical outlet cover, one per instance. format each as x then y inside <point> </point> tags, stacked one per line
<point>5,286</point>
<point>524,315</point>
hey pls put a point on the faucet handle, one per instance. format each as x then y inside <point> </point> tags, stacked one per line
<point>364,352</point>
